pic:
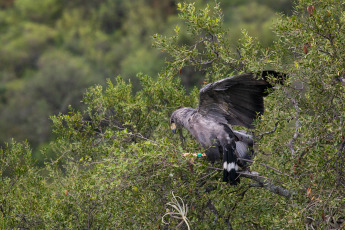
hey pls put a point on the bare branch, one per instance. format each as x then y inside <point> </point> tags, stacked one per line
<point>263,182</point>
<point>269,132</point>
<point>297,127</point>
<point>213,210</point>
<point>267,184</point>
<point>272,131</point>
<point>139,135</point>
<point>338,162</point>
<point>251,161</point>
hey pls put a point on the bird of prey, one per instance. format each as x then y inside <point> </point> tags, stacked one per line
<point>236,100</point>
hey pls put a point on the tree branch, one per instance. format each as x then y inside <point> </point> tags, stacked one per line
<point>338,164</point>
<point>263,182</point>
<point>252,161</point>
<point>269,132</point>
<point>267,184</point>
<point>297,129</point>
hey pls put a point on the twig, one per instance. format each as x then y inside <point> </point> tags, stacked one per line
<point>138,135</point>
<point>269,132</point>
<point>207,175</point>
<point>274,169</point>
<point>98,162</point>
<point>227,220</point>
<point>274,129</point>
<point>340,150</point>
<point>213,210</point>
<point>210,167</point>
<point>297,129</point>
<point>250,173</point>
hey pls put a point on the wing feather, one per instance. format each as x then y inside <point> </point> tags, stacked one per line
<point>238,99</point>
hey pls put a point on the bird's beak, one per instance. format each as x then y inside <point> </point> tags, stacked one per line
<point>173,128</point>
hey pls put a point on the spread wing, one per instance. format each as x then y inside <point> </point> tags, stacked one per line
<point>237,100</point>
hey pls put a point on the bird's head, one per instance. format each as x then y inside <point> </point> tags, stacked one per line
<point>179,118</point>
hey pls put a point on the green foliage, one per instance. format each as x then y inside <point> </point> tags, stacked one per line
<point>48,91</point>
<point>210,45</point>
<point>314,142</point>
<point>20,188</point>
<point>117,165</point>
<point>255,18</point>
<point>22,51</point>
<point>33,10</point>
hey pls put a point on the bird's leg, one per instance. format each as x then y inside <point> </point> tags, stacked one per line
<point>181,137</point>
<point>214,153</point>
<point>194,154</point>
<point>221,154</point>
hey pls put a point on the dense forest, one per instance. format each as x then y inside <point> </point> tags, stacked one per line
<point>87,89</point>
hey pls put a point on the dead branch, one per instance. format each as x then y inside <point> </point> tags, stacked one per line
<point>269,132</point>
<point>339,161</point>
<point>267,184</point>
<point>263,182</point>
<point>267,166</point>
<point>274,129</point>
<point>297,127</point>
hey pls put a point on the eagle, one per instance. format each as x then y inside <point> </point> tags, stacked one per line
<point>236,100</point>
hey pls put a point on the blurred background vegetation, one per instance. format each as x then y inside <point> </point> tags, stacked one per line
<point>51,51</point>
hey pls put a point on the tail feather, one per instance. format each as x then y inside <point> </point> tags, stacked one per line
<point>230,166</point>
